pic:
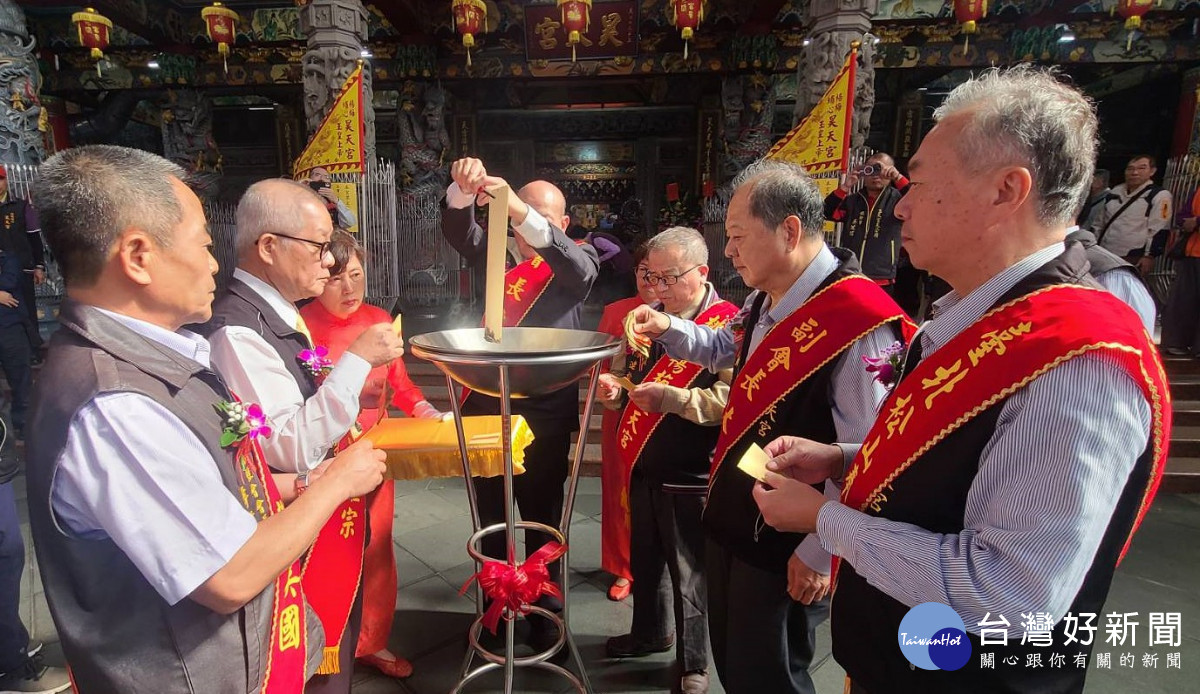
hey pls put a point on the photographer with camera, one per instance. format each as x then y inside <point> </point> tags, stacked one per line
<point>318,179</point>
<point>869,228</point>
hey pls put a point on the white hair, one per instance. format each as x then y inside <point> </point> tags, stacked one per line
<point>690,243</point>
<point>780,189</point>
<point>270,206</point>
<point>1025,116</point>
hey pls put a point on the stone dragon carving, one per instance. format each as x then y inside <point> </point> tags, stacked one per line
<point>22,118</point>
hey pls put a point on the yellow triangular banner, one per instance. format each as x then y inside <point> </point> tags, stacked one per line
<point>822,140</point>
<point>338,144</point>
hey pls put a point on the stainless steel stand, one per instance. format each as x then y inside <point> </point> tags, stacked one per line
<point>540,370</point>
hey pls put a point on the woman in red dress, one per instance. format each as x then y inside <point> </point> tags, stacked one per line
<point>614,478</point>
<point>335,319</point>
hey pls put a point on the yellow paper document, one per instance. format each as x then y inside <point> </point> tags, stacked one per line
<point>497,246</point>
<point>754,462</point>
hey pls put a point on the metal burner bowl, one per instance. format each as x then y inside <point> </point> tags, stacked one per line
<point>539,360</point>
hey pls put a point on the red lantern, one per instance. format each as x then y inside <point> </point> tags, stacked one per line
<point>1132,11</point>
<point>967,13</point>
<point>94,31</point>
<point>686,16</point>
<point>221,23</point>
<point>470,16</point>
<point>576,18</point>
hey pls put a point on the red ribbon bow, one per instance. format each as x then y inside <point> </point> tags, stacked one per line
<point>516,587</point>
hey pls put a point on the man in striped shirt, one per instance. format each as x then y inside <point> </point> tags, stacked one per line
<point>1023,441</point>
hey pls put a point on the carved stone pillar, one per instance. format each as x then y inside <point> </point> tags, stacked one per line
<point>336,30</point>
<point>835,25</point>
<point>424,141</point>
<point>22,118</point>
<point>747,108</point>
<point>187,123</point>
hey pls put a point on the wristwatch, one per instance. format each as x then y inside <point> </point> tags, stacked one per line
<point>301,483</point>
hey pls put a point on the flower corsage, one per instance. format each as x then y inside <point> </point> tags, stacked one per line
<point>316,360</point>
<point>886,366</point>
<point>241,420</point>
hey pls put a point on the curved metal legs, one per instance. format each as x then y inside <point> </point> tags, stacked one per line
<point>507,661</point>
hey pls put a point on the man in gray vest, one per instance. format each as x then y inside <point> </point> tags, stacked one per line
<point>162,569</point>
<point>259,345</point>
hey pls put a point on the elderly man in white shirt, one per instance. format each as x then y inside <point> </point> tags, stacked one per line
<point>283,257</point>
<point>263,349</point>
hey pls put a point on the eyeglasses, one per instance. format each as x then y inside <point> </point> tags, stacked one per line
<point>653,279</point>
<point>321,246</point>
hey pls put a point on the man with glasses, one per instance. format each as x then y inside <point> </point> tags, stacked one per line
<point>263,350</point>
<point>1136,216</point>
<point>797,349</point>
<point>665,438</point>
<point>545,290</point>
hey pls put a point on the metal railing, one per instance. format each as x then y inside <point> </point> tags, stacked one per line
<point>222,226</point>
<point>1181,179</point>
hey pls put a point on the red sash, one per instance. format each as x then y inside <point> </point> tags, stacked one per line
<point>287,654</point>
<point>332,572</point>
<point>523,286</point>
<point>673,372</point>
<point>812,335</point>
<point>993,358</point>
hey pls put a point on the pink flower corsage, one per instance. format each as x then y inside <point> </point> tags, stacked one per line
<point>886,366</point>
<point>316,360</point>
<point>241,420</point>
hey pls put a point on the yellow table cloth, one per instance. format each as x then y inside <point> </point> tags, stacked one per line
<point>421,448</point>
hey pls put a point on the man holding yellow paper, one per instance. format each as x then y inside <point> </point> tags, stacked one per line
<point>797,347</point>
<point>545,290</point>
<point>263,349</point>
<point>665,438</point>
<point>1026,437</point>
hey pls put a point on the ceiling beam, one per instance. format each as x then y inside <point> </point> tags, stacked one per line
<point>762,17</point>
<point>402,15</point>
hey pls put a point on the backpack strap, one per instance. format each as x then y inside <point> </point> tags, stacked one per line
<point>1152,191</point>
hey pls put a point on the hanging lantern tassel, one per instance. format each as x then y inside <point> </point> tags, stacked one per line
<point>94,29</point>
<point>686,15</point>
<point>470,17</point>
<point>1132,11</point>
<point>968,13</point>
<point>221,23</point>
<point>576,19</point>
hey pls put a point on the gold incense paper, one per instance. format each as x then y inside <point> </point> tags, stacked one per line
<point>497,246</point>
<point>754,462</point>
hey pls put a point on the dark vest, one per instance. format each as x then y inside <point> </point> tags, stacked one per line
<point>118,634</point>
<point>242,306</point>
<point>876,245</point>
<point>14,229</point>
<point>1100,258</point>
<point>731,517</point>
<point>932,494</point>
<point>553,412</point>
<point>679,452</point>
